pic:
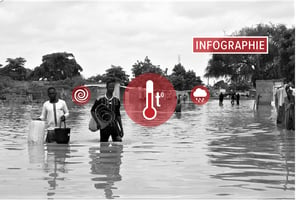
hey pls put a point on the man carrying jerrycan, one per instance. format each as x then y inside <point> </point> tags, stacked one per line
<point>54,112</point>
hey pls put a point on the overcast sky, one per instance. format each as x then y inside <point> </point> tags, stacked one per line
<point>105,33</point>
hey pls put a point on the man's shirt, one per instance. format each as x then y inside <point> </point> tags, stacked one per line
<point>48,113</point>
<point>113,104</point>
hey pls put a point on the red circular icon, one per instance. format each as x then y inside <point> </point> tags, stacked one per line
<point>200,95</point>
<point>150,99</point>
<point>81,95</point>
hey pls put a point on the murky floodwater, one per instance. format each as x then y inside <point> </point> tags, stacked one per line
<point>209,152</point>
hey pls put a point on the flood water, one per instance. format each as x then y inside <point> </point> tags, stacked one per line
<point>209,152</point>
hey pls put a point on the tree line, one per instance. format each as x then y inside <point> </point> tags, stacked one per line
<point>55,66</point>
<point>180,78</point>
<point>63,66</point>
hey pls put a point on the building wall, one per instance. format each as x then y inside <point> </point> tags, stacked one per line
<point>265,88</point>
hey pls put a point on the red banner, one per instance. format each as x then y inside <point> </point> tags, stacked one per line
<point>223,45</point>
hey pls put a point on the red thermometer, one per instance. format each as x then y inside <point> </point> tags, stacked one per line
<point>149,111</point>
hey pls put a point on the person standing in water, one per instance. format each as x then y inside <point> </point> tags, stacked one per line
<point>237,99</point>
<point>178,105</point>
<point>54,112</point>
<point>221,97</point>
<point>113,103</point>
<point>232,98</point>
<point>184,98</point>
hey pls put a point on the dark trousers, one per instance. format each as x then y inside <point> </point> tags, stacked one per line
<point>281,115</point>
<point>50,136</point>
<point>290,116</point>
<point>109,131</point>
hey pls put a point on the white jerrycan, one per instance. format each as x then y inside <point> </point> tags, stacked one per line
<point>36,132</point>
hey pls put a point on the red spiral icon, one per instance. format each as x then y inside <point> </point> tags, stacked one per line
<point>81,95</point>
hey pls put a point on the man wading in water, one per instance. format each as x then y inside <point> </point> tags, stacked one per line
<point>54,112</point>
<point>115,128</point>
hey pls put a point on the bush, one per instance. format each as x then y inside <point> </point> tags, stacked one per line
<point>6,81</point>
<point>77,81</point>
<point>2,86</point>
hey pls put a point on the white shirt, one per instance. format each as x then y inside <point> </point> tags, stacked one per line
<point>48,113</point>
<point>281,94</point>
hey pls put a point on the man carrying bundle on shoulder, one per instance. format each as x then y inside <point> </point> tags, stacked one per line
<point>106,113</point>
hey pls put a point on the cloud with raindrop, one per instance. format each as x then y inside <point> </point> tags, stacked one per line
<point>199,94</point>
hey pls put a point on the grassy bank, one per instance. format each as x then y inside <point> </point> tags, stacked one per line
<point>32,91</point>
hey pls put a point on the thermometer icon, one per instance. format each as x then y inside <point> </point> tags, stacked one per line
<point>149,111</point>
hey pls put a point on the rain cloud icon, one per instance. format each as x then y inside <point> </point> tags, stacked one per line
<point>199,93</point>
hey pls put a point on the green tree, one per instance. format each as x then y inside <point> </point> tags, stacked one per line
<point>287,54</point>
<point>177,81</point>
<point>182,79</point>
<point>57,66</point>
<point>220,85</point>
<point>116,73</point>
<point>191,80</point>
<point>96,78</point>
<point>15,69</point>
<point>178,70</point>
<point>219,66</point>
<point>177,77</point>
<point>145,67</point>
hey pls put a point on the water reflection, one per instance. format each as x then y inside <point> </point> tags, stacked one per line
<point>56,165</point>
<point>251,150</point>
<point>287,152</point>
<point>36,153</point>
<point>178,115</point>
<point>105,162</point>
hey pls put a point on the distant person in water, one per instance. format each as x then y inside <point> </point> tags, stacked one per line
<point>54,112</point>
<point>256,102</point>
<point>237,99</point>
<point>178,108</point>
<point>178,105</point>
<point>221,98</point>
<point>113,103</point>
<point>184,98</point>
<point>232,98</point>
